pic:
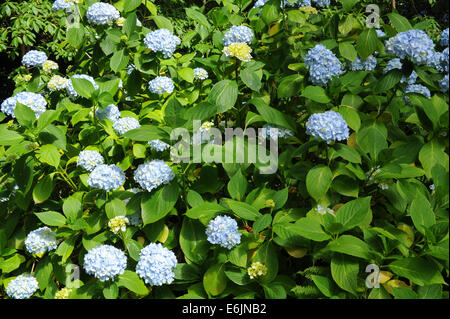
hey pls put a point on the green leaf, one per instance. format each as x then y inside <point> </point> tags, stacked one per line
<point>367,43</point>
<point>205,210</point>
<point>344,270</point>
<point>129,25</point>
<point>11,263</point>
<point>119,60</point>
<point>187,74</point>
<point>115,207</point>
<point>267,255</point>
<point>432,154</point>
<point>43,272</point>
<point>43,189</point>
<point>72,208</point>
<point>251,79</point>
<point>197,16</point>
<point>272,115</point>
<point>243,210</point>
<point>8,137</point>
<point>271,12</point>
<point>354,213</point>
<point>388,81</point>
<point>274,291</point>
<point>193,241</point>
<point>346,152</point>
<point>130,280</point>
<point>24,115</point>
<point>215,280</point>
<point>83,87</point>
<point>350,245</point>
<point>75,36</point>
<point>421,213</point>
<point>163,23</point>
<point>348,4</point>
<point>224,95</point>
<point>290,85</point>
<point>51,218</point>
<point>49,154</point>
<point>418,270</point>
<point>238,275</point>
<point>237,186</point>
<point>111,290</point>
<point>262,223</point>
<point>324,284</point>
<point>65,249</point>
<point>316,93</point>
<point>399,22</point>
<point>348,51</point>
<point>310,229</point>
<point>404,293</point>
<point>159,204</point>
<point>146,133</point>
<point>372,139</point>
<point>318,181</point>
<point>130,5</point>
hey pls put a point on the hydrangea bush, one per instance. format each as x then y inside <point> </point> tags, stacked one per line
<point>359,115</point>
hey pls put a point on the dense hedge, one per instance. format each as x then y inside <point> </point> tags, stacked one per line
<point>94,205</point>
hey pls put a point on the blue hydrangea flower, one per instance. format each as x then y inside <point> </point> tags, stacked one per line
<point>414,44</point>
<point>70,89</point>
<point>411,79</point>
<point>322,3</point>
<point>260,3</point>
<point>444,61</point>
<point>130,68</point>
<point>158,145</point>
<point>393,64</point>
<point>34,101</point>
<point>105,262</point>
<point>106,177</point>
<point>380,33</point>
<point>89,159</point>
<point>151,175</point>
<point>41,240</point>
<point>415,88</point>
<point>223,230</point>
<point>297,4</point>
<point>161,84</point>
<point>162,40</point>
<point>155,265</point>
<point>62,4</point>
<point>135,219</point>
<point>124,124</point>
<point>368,64</point>
<point>102,13</point>
<point>444,38</point>
<point>34,58</point>
<point>238,34</point>
<point>444,83</point>
<point>323,65</point>
<point>111,112</point>
<point>22,287</point>
<point>328,126</point>
<point>200,74</point>
<point>275,132</point>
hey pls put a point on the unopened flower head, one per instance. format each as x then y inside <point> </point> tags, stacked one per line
<point>63,293</point>
<point>40,241</point>
<point>57,83</point>
<point>34,101</point>
<point>118,223</point>
<point>276,132</point>
<point>156,264</point>
<point>161,85</point>
<point>158,145</point>
<point>50,66</point>
<point>106,177</point>
<point>120,21</point>
<point>89,159</point>
<point>413,44</point>
<point>368,64</point>
<point>328,126</point>
<point>257,269</point>
<point>70,89</point>
<point>101,13</point>
<point>105,262</point>
<point>200,74</point>
<point>323,65</point>
<point>125,124</point>
<point>308,9</point>
<point>238,50</point>
<point>22,287</point>
<point>111,112</point>
<point>238,34</point>
<point>151,175</point>
<point>162,40</point>
<point>34,58</point>
<point>223,230</point>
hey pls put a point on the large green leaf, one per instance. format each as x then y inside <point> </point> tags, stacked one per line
<point>193,241</point>
<point>417,269</point>
<point>318,181</point>
<point>130,280</point>
<point>350,245</point>
<point>224,95</point>
<point>344,270</point>
<point>159,204</point>
<point>367,43</point>
<point>355,213</point>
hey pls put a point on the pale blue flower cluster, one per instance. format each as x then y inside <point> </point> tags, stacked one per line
<point>22,287</point>
<point>106,177</point>
<point>41,240</point>
<point>162,40</point>
<point>124,124</point>
<point>276,132</point>
<point>323,65</point>
<point>130,68</point>
<point>328,126</point>
<point>161,84</point>
<point>368,64</point>
<point>223,230</point>
<point>34,58</point>
<point>111,112</point>
<point>393,64</point>
<point>444,38</point>
<point>200,74</point>
<point>151,175</point>
<point>297,4</point>
<point>62,4</point>
<point>105,262</point>
<point>89,159</point>
<point>158,145</point>
<point>416,88</point>
<point>322,3</point>
<point>380,33</point>
<point>155,265</point>
<point>238,34</point>
<point>414,44</point>
<point>70,89</point>
<point>102,13</point>
<point>444,83</point>
<point>34,101</point>
<point>135,219</point>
